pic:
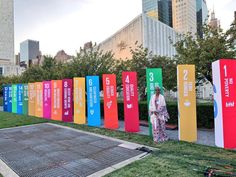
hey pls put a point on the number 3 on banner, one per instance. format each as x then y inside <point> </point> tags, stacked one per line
<point>127,79</point>
<point>151,77</point>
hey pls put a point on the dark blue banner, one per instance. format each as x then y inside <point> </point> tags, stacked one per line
<point>9,99</point>
<point>93,101</point>
<point>5,98</point>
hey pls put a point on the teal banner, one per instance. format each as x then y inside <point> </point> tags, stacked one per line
<point>14,98</point>
<point>154,79</point>
<point>25,99</point>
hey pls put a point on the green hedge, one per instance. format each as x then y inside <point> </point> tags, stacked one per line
<point>205,114</point>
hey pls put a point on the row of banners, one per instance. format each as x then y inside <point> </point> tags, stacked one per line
<point>65,100</point>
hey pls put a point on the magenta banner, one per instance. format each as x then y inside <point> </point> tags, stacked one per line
<point>47,99</point>
<point>67,111</point>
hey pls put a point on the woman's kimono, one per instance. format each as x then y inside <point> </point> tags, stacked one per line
<point>158,116</point>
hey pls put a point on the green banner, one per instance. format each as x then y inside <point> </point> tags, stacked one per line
<point>25,99</point>
<point>14,98</point>
<point>154,79</point>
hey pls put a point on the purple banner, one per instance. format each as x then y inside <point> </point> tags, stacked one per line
<point>67,111</point>
<point>47,99</point>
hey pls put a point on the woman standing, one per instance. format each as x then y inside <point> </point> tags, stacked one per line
<point>158,116</point>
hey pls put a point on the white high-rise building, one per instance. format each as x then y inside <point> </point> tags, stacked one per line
<point>184,16</point>
<point>6,32</point>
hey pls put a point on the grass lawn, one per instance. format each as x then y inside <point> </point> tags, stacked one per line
<point>173,159</point>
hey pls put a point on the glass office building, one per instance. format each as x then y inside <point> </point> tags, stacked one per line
<point>202,15</point>
<point>159,9</point>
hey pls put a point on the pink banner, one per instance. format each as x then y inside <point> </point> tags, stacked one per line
<point>130,92</point>
<point>67,104</point>
<point>47,99</point>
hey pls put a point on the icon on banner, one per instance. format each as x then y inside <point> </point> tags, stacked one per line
<point>109,104</point>
<point>92,112</point>
<point>187,103</point>
<point>129,106</point>
<point>66,113</point>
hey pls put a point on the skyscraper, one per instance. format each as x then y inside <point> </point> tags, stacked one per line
<point>6,31</point>
<point>159,9</point>
<point>184,16</point>
<point>202,13</point>
<point>214,22</point>
<point>29,50</point>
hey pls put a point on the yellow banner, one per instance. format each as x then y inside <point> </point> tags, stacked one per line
<point>79,101</point>
<point>39,99</point>
<point>31,104</point>
<point>187,103</point>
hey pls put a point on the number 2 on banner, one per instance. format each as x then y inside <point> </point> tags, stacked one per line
<point>185,75</point>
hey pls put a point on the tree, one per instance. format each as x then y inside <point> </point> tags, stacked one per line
<point>202,51</point>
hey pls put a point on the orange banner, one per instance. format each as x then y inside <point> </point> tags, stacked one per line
<point>79,101</point>
<point>39,99</point>
<point>110,101</point>
<point>31,103</point>
<point>56,100</point>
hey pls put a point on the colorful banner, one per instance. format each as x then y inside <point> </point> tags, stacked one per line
<point>47,90</point>
<point>79,101</point>
<point>32,98</point>
<point>67,105</point>
<point>224,82</point>
<point>9,99</point>
<point>39,99</point>
<point>187,103</point>
<point>14,98</point>
<point>154,79</point>
<point>25,99</point>
<point>5,98</point>
<point>110,101</point>
<point>93,101</point>
<point>56,113</point>
<point>19,99</point>
<point>130,92</point>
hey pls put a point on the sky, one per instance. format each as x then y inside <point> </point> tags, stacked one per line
<point>68,24</point>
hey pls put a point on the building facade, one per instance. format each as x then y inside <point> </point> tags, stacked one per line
<point>29,50</point>
<point>214,22</point>
<point>158,9</point>
<point>151,33</point>
<point>202,15</point>
<point>6,32</point>
<point>184,16</point>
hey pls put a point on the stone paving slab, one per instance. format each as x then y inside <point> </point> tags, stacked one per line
<point>48,150</point>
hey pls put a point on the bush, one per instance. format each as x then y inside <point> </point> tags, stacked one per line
<point>205,113</point>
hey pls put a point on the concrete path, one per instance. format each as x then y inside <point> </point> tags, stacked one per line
<point>47,150</point>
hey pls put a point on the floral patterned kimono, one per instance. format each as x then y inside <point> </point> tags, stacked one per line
<point>158,116</point>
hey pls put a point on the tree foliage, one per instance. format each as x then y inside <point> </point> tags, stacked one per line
<point>202,51</point>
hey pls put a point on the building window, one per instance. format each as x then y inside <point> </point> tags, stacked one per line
<point>1,71</point>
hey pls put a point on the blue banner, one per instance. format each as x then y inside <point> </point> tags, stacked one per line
<point>9,99</point>
<point>5,98</point>
<point>93,101</point>
<point>19,99</point>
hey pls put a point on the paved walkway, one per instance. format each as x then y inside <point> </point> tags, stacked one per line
<point>47,150</point>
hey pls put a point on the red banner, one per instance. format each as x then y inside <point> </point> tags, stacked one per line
<point>130,92</point>
<point>110,101</point>
<point>67,111</point>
